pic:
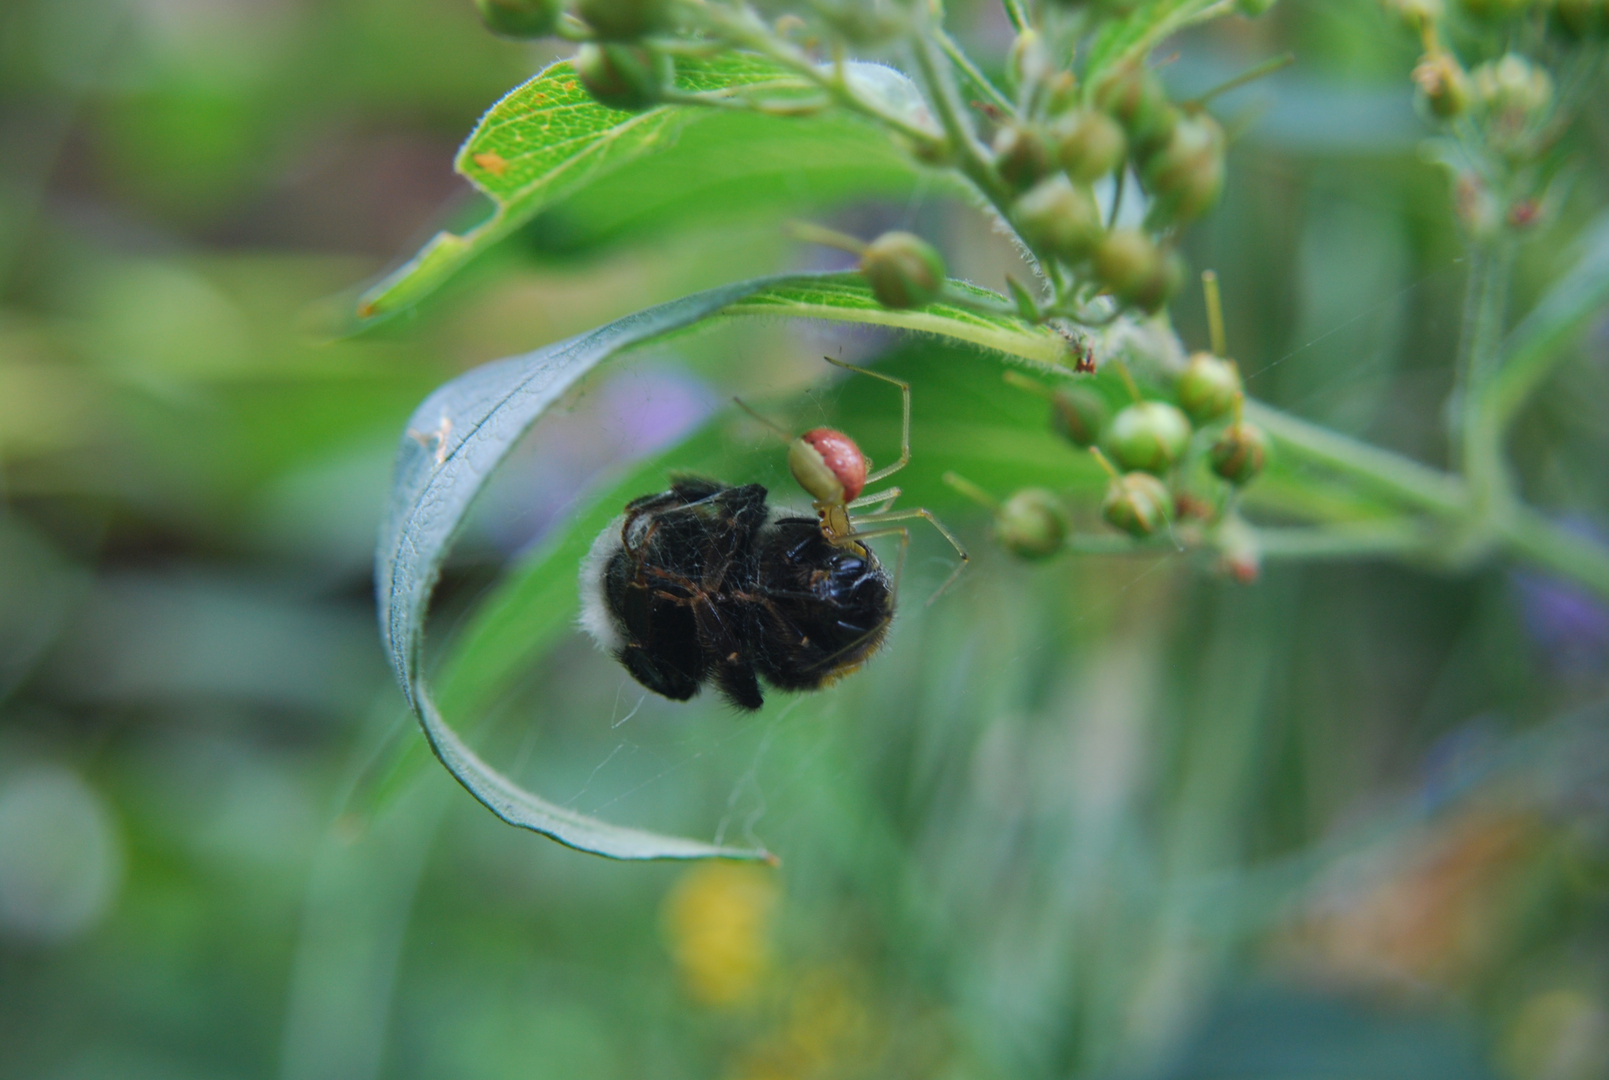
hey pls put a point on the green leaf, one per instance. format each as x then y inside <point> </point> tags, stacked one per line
<point>547,144</point>
<point>453,442</point>
<point>1130,38</point>
<point>1540,342</point>
<point>845,298</point>
<point>458,436</point>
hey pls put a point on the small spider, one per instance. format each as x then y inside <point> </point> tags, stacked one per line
<point>705,582</point>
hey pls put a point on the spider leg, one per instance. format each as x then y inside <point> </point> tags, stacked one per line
<point>881,520</point>
<point>905,425</point>
<point>883,499</point>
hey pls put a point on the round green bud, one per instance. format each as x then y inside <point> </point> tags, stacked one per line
<point>1136,271</point>
<point>1187,174</point>
<point>1057,218</point>
<point>1033,523</point>
<point>1494,10</point>
<point>1208,387</point>
<point>520,18</point>
<point>1513,85</point>
<point>1418,13</point>
<point>1240,453</point>
<point>903,270</point>
<point>861,24</point>
<point>622,20</point>
<point>1136,99</point>
<point>1078,414</point>
<point>1443,86</point>
<point>1089,144</point>
<point>1148,435</point>
<point>1020,155</point>
<point>627,77</point>
<point>1061,93</point>
<point>1137,502</point>
<point>1580,20</point>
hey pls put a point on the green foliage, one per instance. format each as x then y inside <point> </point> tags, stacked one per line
<point>548,142</point>
<point>1206,799</point>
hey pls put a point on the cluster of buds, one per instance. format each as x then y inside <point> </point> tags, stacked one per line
<point>615,64</point>
<point>1504,110</point>
<point>1068,137</point>
<point>1149,444</point>
<point>1150,449</point>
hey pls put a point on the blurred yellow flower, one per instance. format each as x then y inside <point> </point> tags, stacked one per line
<point>718,922</point>
<point>824,1033</point>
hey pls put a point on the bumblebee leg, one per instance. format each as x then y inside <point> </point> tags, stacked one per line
<point>663,680</point>
<point>738,682</point>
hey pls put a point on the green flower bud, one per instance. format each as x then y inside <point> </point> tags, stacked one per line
<point>1580,20</point>
<point>1137,502</point>
<point>1208,387</point>
<point>1240,453</point>
<point>1493,10</point>
<point>520,18</point>
<point>1513,85</point>
<point>1033,523</point>
<point>1136,271</point>
<point>1028,63</point>
<point>1442,84</point>
<point>1020,156</point>
<point>627,77</point>
<point>903,270</point>
<point>622,20</point>
<point>1187,174</point>
<point>1136,99</point>
<point>1148,435</point>
<point>1089,144</point>
<point>1078,414</point>
<point>861,24</point>
<point>1418,13</point>
<point>1058,219</point>
<point>1061,93</point>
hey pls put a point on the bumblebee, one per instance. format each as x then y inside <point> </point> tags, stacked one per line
<point>706,583</point>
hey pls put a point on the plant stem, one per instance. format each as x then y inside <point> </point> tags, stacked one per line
<point>1538,343</point>
<point>1551,546</point>
<point>1390,538</point>
<point>1018,17</point>
<point>964,63</point>
<point>1385,473</point>
<point>747,30</point>
<point>970,156</point>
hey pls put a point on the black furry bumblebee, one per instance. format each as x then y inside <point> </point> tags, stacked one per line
<point>705,582</point>
<point>701,583</point>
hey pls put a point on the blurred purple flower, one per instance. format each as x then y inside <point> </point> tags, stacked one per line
<point>1568,625</point>
<point>630,416</point>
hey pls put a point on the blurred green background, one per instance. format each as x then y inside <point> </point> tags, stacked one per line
<point>1110,818</point>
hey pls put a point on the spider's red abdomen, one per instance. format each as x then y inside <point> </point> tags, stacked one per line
<point>841,465</point>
